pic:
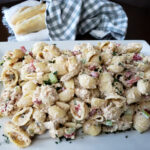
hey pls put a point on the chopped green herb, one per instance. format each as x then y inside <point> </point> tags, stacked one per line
<point>58,88</point>
<point>100,58</point>
<point>22,58</point>
<point>75,103</point>
<point>141,74</point>
<point>126,136</point>
<point>2,62</point>
<point>56,135</point>
<point>118,91</point>
<point>22,116</point>
<point>83,61</point>
<point>61,125</point>
<point>120,64</point>
<point>6,140</point>
<point>146,80</point>
<point>109,123</point>
<point>78,121</point>
<point>7,100</point>
<point>115,80</point>
<point>100,70</point>
<point>96,69</point>
<point>59,139</point>
<point>55,72</point>
<point>125,69</point>
<point>47,82</point>
<point>146,62</point>
<point>8,58</point>
<point>31,131</point>
<point>52,61</point>
<point>68,139</point>
<point>146,114</point>
<point>53,77</point>
<point>114,53</point>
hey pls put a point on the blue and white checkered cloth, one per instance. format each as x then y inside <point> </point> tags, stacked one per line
<point>100,18</point>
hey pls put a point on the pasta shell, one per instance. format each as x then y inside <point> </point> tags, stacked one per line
<point>87,81</point>
<point>66,95</point>
<point>56,113</point>
<point>91,128</point>
<point>50,52</point>
<point>17,135</point>
<point>38,47</point>
<point>23,116</point>
<point>28,87</point>
<point>133,48</point>
<point>69,84</point>
<point>143,87</point>
<point>133,95</point>
<point>97,102</point>
<point>39,116</point>
<point>63,105</point>
<point>9,76</point>
<point>35,128</point>
<point>79,109</point>
<point>25,101</point>
<point>141,123</point>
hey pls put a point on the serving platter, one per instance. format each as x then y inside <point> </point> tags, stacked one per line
<point>129,140</point>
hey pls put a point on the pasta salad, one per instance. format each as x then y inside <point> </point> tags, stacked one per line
<point>100,89</point>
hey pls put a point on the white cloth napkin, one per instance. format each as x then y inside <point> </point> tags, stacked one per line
<point>37,36</point>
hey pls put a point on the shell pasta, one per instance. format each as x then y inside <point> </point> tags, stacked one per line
<point>97,88</point>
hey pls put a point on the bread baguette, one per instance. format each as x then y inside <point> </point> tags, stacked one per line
<point>32,24</point>
<point>27,12</point>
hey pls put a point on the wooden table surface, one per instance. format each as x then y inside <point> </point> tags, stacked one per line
<point>138,23</point>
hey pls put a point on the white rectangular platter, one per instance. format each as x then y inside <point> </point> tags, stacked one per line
<point>135,140</point>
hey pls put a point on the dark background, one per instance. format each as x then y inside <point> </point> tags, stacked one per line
<point>138,12</point>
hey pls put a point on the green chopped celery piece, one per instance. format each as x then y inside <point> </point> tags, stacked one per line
<point>109,123</point>
<point>53,78</point>
<point>146,114</point>
<point>69,131</point>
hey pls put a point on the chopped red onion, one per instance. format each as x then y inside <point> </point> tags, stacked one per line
<point>38,102</point>
<point>77,108</point>
<point>93,112</point>
<point>133,80</point>
<point>94,74</point>
<point>76,53</point>
<point>31,54</point>
<point>92,67</point>
<point>68,136</point>
<point>117,44</point>
<point>128,74</point>
<point>137,57</point>
<point>23,49</point>
<point>32,67</point>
